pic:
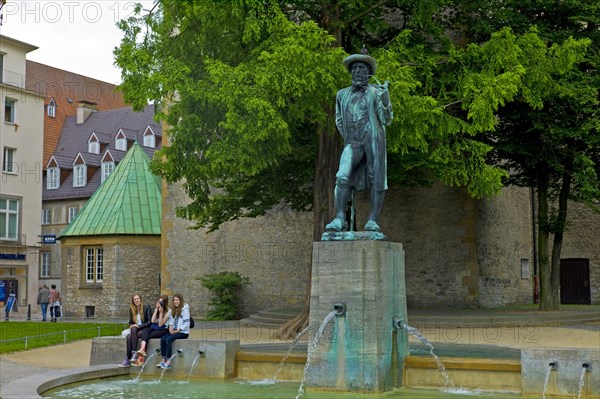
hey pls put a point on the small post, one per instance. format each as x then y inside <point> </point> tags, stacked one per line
<point>26,342</point>
<point>64,336</point>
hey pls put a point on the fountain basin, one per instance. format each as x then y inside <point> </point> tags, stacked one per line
<point>502,371</point>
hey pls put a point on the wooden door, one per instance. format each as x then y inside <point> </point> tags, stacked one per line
<point>575,281</point>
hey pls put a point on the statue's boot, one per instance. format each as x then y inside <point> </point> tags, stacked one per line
<point>376,205</point>
<point>341,194</point>
<point>337,224</point>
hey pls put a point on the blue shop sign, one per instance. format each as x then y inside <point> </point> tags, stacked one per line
<point>12,256</point>
<point>49,239</point>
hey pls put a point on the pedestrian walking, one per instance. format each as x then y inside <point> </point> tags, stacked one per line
<point>43,299</point>
<point>55,303</point>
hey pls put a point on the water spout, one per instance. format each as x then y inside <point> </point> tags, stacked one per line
<point>312,346</point>
<point>420,337</point>
<point>586,367</point>
<point>178,353</point>
<point>340,309</point>
<point>552,365</point>
<point>146,361</point>
<point>289,352</point>
<point>397,323</point>
<point>200,354</point>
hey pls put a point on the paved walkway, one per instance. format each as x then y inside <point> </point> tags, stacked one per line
<point>571,328</point>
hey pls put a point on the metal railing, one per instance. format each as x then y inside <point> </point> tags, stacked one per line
<point>11,78</point>
<point>64,333</point>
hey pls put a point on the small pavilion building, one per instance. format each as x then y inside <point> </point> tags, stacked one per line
<point>111,251</point>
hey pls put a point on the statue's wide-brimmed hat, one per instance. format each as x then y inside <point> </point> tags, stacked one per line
<point>351,59</point>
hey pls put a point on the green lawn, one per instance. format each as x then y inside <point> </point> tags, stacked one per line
<point>38,334</point>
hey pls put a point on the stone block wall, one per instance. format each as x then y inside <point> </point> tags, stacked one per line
<point>131,266</point>
<point>436,227</point>
<point>504,242</point>
<point>273,251</point>
<point>459,252</point>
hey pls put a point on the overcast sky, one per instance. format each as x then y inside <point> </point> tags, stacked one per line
<point>77,36</point>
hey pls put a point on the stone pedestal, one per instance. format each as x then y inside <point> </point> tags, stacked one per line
<point>361,350</point>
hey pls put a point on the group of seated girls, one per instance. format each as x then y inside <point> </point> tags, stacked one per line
<point>164,323</point>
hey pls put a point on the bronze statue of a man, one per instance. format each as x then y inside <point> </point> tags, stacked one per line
<point>362,111</point>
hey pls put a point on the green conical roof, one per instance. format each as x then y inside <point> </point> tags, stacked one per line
<point>128,202</point>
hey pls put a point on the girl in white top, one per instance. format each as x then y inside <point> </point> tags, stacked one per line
<point>179,328</point>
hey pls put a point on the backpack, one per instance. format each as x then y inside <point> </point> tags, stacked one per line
<point>192,322</point>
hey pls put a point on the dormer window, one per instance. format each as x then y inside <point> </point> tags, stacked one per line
<point>108,165</point>
<point>52,178</point>
<point>51,109</point>
<point>107,169</point>
<point>93,144</point>
<point>149,138</point>
<point>121,141</point>
<point>79,172</point>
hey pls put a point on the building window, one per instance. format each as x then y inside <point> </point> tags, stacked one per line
<point>121,141</point>
<point>107,169</point>
<point>46,216</point>
<point>73,211</point>
<point>9,110</point>
<point>44,264</point>
<point>52,178</point>
<point>93,144</point>
<point>8,163</point>
<point>94,264</point>
<point>149,140</point>
<point>79,175</point>
<point>51,109</point>
<point>121,144</point>
<point>9,219</point>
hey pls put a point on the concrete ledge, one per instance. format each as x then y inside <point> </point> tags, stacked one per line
<point>458,363</point>
<point>492,375</point>
<point>34,385</point>
<point>209,359</point>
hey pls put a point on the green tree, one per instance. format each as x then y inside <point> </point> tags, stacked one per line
<point>250,88</point>
<point>551,144</point>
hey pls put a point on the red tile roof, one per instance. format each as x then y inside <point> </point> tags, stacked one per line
<point>68,89</point>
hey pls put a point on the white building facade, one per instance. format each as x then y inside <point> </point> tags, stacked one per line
<point>21,144</point>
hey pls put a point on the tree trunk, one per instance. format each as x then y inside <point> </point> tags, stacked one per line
<point>559,231</point>
<point>546,298</point>
<point>328,152</point>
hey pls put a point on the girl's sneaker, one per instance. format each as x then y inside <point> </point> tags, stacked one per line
<point>126,363</point>
<point>166,366</point>
<point>141,353</point>
<point>161,365</point>
<point>139,362</point>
